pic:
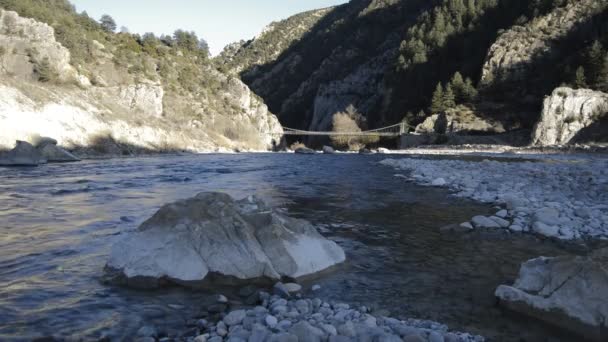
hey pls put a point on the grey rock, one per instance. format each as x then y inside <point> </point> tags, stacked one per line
<point>501,222</point>
<point>566,112</point>
<point>502,213</point>
<point>235,317</point>
<point>55,154</point>
<point>484,222</point>
<point>328,150</point>
<point>548,216</point>
<point>271,321</point>
<point>304,150</point>
<point>281,290</point>
<point>569,292</point>
<point>439,182</point>
<point>24,154</point>
<point>306,332</point>
<point>212,233</point>
<point>283,337</point>
<point>293,288</point>
<point>347,329</point>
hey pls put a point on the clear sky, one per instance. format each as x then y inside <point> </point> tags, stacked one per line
<point>220,22</point>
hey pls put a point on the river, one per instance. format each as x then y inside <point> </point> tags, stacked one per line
<point>58,222</point>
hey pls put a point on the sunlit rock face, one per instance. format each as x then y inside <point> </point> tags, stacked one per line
<point>211,233</point>
<point>567,112</point>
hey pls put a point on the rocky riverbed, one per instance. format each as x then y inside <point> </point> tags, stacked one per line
<point>283,319</point>
<point>557,197</point>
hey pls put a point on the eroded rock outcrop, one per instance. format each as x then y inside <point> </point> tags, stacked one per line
<point>566,113</point>
<point>456,121</point>
<point>27,43</point>
<point>188,240</point>
<point>569,292</point>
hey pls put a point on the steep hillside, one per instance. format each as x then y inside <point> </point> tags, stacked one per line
<point>408,59</point>
<point>64,75</point>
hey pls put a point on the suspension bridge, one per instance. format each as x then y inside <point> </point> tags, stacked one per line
<point>396,130</point>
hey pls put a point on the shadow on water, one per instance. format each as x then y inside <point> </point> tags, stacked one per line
<point>58,222</point>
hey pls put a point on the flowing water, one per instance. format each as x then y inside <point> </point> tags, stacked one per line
<point>58,222</point>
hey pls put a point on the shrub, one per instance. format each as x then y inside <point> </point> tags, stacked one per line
<point>45,71</point>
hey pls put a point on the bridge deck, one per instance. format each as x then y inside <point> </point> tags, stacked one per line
<point>390,131</point>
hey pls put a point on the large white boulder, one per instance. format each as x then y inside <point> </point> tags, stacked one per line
<point>211,233</point>
<point>566,112</point>
<point>570,292</point>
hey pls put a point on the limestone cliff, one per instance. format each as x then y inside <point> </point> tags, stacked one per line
<point>44,92</point>
<point>569,115</point>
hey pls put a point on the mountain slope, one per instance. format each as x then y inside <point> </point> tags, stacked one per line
<point>388,58</point>
<point>64,75</point>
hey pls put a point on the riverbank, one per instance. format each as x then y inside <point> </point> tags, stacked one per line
<point>556,196</point>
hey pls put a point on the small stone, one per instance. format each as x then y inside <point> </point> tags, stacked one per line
<point>221,299</point>
<point>347,329</point>
<point>329,329</point>
<point>439,182</point>
<point>501,222</point>
<point>466,225</point>
<point>316,287</point>
<point>484,222</point>
<point>280,290</point>
<point>292,288</point>
<point>502,213</point>
<point>235,317</point>
<point>516,228</point>
<point>271,321</point>
<point>436,337</point>
<point>201,338</point>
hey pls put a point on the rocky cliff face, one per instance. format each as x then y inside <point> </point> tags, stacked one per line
<point>266,47</point>
<point>567,113</point>
<point>27,43</point>
<point>511,58</point>
<point>111,103</point>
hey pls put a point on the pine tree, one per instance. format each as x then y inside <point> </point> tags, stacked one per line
<point>595,62</point>
<point>470,93</point>
<point>449,100</point>
<point>579,80</point>
<point>437,101</point>
<point>458,87</point>
<point>108,23</point>
<point>602,78</point>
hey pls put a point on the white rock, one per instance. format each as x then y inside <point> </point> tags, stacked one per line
<point>569,292</point>
<point>566,112</point>
<point>502,214</point>
<point>271,321</point>
<point>501,222</point>
<point>439,182</point>
<point>211,232</point>
<point>484,222</point>
<point>546,230</point>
